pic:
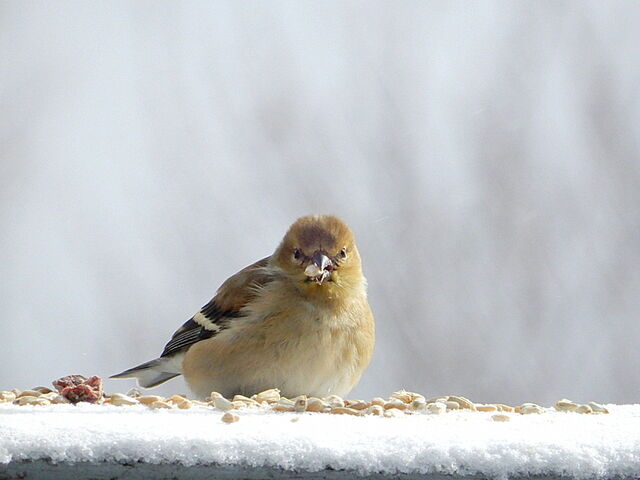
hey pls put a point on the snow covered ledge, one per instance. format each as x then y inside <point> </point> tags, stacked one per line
<point>130,442</point>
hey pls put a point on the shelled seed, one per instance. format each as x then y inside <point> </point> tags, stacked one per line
<point>149,399</point>
<point>597,408</point>
<point>119,399</point>
<point>565,405</point>
<point>375,410</point>
<point>284,405</point>
<point>403,396</point>
<point>222,403</point>
<point>29,400</point>
<point>7,396</point>
<point>419,405</point>
<point>241,398</point>
<point>29,393</point>
<point>393,412</point>
<point>334,401</point>
<point>451,405</point>
<point>59,399</point>
<point>463,402</point>
<point>345,411</point>
<point>395,404</point>
<point>176,399</point>
<point>43,390</point>
<point>530,408</point>
<point>229,417</point>
<point>486,408</point>
<point>252,403</point>
<point>134,392</point>
<point>300,404</point>
<point>358,405</point>
<point>584,409</point>
<point>212,396</point>
<point>500,417</point>
<point>316,405</point>
<point>436,408</point>
<point>270,396</point>
<point>504,408</point>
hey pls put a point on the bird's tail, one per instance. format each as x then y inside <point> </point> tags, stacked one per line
<point>153,373</point>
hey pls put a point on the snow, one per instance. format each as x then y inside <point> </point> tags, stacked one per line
<point>459,442</point>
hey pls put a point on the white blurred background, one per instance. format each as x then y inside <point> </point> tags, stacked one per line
<point>487,155</point>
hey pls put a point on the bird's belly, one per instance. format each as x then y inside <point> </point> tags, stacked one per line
<point>319,362</point>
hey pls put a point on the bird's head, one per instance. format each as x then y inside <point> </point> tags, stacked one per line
<point>319,253</point>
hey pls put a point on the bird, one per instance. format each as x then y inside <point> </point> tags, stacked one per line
<point>298,320</point>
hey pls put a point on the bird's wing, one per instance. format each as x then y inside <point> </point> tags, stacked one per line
<point>215,316</point>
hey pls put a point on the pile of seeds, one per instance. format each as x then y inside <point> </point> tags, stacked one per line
<point>400,403</point>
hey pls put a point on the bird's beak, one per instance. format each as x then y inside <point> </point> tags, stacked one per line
<point>320,268</point>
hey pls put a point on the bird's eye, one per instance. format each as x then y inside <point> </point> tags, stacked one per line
<point>297,254</point>
<point>343,253</point>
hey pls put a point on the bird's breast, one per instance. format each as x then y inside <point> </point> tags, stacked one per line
<point>301,350</point>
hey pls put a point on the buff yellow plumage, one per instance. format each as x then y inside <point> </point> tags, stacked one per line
<point>298,320</point>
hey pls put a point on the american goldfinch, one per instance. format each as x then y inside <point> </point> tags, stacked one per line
<point>298,321</point>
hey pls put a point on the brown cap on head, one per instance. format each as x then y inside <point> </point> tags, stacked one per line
<point>319,249</point>
<point>320,232</point>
